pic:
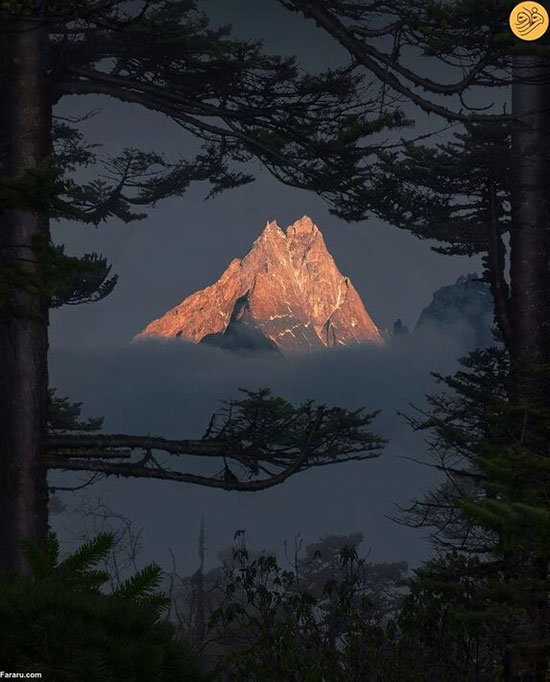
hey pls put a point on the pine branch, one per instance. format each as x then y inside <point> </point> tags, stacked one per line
<point>386,69</point>
<point>263,436</point>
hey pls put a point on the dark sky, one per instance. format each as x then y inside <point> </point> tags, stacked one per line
<point>185,244</point>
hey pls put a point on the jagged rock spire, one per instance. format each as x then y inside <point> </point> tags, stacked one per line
<point>286,293</point>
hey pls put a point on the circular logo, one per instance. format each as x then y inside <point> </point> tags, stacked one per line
<point>529,20</point>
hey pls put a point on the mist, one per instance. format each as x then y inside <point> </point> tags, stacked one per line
<point>170,388</point>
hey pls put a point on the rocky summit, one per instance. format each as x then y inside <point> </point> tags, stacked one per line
<point>286,295</point>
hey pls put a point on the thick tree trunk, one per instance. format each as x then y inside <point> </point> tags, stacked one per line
<point>24,133</point>
<point>530,303</point>
<point>530,236</point>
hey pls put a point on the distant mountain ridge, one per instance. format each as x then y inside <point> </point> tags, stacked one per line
<point>286,295</point>
<point>466,306</point>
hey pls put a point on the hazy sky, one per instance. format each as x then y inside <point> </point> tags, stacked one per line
<point>184,245</point>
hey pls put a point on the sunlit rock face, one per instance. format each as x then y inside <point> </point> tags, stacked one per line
<point>286,295</point>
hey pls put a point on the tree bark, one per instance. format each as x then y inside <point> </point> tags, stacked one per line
<point>530,307</point>
<point>495,263</point>
<point>530,234</point>
<point>25,122</point>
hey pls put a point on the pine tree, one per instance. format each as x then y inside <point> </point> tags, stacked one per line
<point>236,103</point>
<point>489,523</point>
<point>505,189</point>
<point>60,621</point>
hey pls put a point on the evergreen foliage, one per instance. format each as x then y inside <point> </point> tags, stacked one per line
<point>492,513</point>
<point>460,61</point>
<point>233,102</point>
<point>65,417</point>
<point>452,625</point>
<point>450,192</point>
<point>261,440</point>
<point>59,621</point>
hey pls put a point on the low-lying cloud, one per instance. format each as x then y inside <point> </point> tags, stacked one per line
<point>171,388</point>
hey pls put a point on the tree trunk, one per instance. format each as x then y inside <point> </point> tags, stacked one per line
<point>530,235</point>
<point>530,303</point>
<point>25,119</point>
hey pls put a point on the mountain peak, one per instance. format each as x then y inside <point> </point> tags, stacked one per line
<point>271,227</point>
<point>303,226</point>
<point>287,290</point>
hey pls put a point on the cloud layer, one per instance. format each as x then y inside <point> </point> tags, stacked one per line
<point>170,388</point>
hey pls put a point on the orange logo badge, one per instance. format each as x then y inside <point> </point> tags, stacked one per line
<point>529,20</point>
